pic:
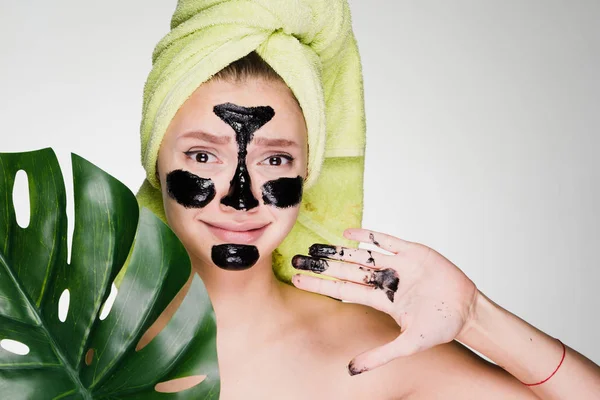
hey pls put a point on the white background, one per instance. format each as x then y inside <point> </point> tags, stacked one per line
<point>483,129</point>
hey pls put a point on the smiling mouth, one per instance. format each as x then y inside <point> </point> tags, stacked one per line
<point>239,235</point>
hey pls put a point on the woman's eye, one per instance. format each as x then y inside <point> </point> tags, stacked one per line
<point>277,160</point>
<point>201,156</point>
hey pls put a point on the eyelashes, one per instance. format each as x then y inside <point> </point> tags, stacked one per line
<point>201,157</point>
<point>288,160</point>
<point>273,160</point>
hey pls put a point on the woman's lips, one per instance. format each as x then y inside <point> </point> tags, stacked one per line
<point>236,236</point>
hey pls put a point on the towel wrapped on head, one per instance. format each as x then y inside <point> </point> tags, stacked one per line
<point>310,44</point>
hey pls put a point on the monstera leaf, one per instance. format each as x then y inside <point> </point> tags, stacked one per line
<point>82,356</point>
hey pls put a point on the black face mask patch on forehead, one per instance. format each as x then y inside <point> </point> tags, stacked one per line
<point>189,190</point>
<point>244,121</point>
<point>234,257</point>
<point>283,192</point>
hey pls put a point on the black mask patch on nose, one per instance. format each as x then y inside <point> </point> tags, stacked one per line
<point>283,192</point>
<point>244,121</point>
<point>234,257</point>
<point>189,190</point>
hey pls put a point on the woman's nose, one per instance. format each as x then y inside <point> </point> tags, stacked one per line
<point>240,196</point>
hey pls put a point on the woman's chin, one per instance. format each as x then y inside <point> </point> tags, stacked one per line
<point>264,239</point>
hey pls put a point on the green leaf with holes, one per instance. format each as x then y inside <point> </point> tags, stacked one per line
<point>110,232</point>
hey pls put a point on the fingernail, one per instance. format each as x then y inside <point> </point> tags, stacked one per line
<point>322,250</point>
<point>309,264</point>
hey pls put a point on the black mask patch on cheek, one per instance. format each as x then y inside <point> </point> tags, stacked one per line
<point>189,190</point>
<point>244,121</point>
<point>283,192</point>
<point>234,257</point>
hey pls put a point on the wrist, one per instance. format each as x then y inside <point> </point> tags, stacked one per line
<point>482,310</point>
<point>518,347</point>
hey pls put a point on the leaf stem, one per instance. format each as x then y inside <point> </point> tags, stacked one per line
<point>33,310</point>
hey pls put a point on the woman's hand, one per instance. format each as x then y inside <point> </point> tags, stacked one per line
<point>429,297</point>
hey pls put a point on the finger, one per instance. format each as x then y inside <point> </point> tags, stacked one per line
<point>343,290</point>
<point>404,345</point>
<point>357,256</point>
<point>386,280</point>
<point>337,269</point>
<point>381,240</point>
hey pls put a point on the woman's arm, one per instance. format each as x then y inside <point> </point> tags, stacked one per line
<point>529,354</point>
<point>434,302</point>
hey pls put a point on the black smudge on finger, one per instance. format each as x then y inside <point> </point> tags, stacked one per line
<point>372,238</point>
<point>370,260</point>
<point>234,257</point>
<point>385,279</point>
<point>189,190</point>
<point>283,192</point>
<point>322,250</point>
<point>354,370</point>
<point>316,265</point>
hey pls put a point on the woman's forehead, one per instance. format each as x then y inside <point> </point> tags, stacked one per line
<point>249,93</point>
<point>197,119</point>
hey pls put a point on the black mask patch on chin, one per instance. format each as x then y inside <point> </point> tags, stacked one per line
<point>234,257</point>
<point>283,192</point>
<point>189,190</point>
<point>244,121</point>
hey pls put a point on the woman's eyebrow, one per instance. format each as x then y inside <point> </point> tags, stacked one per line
<point>262,141</point>
<point>207,137</point>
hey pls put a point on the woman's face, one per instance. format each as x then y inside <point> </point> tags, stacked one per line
<point>231,168</point>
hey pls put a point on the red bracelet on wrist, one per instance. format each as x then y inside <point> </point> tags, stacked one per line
<point>561,361</point>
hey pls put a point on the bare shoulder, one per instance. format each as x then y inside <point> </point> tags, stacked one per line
<point>344,324</point>
<point>452,368</point>
<point>449,369</point>
<point>346,330</point>
<point>341,331</point>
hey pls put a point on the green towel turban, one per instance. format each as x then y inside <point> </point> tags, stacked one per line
<point>310,44</point>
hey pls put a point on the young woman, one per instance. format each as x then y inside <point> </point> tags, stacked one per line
<point>234,140</point>
<point>253,117</point>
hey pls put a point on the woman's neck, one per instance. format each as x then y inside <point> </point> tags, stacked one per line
<point>247,303</point>
<point>243,299</point>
